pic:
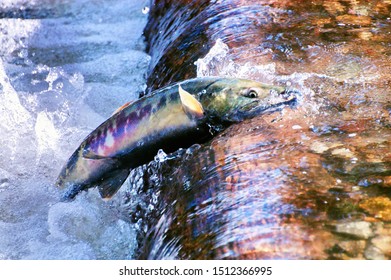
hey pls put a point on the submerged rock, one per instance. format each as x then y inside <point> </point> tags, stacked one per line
<point>348,249</point>
<point>374,253</point>
<point>266,188</point>
<point>359,230</point>
<point>383,243</point>
<point>352,248</point>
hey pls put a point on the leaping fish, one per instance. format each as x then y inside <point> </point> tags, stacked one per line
<point>175,116</point>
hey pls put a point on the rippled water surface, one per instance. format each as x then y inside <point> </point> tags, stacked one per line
<point>65,66</point>
<point>310,182</point>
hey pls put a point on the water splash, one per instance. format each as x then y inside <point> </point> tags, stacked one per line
<point>53,92</point>
<point>309,166</point>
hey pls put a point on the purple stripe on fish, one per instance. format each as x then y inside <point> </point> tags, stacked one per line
<point>145,111</point>
<point>162,103</point>
<point>119,131</point>
<point>173,96</point>
<point>124,124</point>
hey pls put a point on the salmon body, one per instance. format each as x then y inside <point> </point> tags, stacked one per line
<point>173,117</point>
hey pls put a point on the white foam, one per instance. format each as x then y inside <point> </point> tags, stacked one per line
<point>48,104</point>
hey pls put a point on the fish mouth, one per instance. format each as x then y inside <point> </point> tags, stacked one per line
<point>276,103</point>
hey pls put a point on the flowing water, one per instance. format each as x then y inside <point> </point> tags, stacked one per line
<point>65,66</point>
<point>311,182</point>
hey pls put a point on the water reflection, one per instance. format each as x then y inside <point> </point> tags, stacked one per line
<point>311,182</point>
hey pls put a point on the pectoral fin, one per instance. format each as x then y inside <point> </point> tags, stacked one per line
<point>190,104</point>
<point>88,154</point>
<point>112,183</point>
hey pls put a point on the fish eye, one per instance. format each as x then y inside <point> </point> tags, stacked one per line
<point>251,93</point>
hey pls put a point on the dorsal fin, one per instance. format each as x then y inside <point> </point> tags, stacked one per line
<point>190,104</point>
<point>122,107</point>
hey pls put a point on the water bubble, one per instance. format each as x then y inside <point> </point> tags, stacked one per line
<point>161,156</point>
<point>155,197</point>
<point>145,10</point>
<point>192,149</point>
<point>187,185</point>
<point>151,207</point>
<point>42,103</point>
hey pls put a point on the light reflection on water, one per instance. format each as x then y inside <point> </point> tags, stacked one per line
<point>64,67</point>
<point>284,185</point>
<point>273,187</point>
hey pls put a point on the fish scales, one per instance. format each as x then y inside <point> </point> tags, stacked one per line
<point>141,120</point>
<point>173,117</point>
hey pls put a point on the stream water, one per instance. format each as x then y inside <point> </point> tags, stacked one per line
<point>311,182</point>
<point>65,66</point>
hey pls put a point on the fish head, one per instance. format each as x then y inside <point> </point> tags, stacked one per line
<point>233,100</point>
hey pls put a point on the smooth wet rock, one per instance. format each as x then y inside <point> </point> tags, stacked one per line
<point>374,253</point>
<point>343,152</point>
<point>351,248</point>
<point>383,243</point>
<point>319,147</point>
<point>358,230</point>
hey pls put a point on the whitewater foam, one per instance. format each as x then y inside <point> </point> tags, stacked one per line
<point>63,71</point>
